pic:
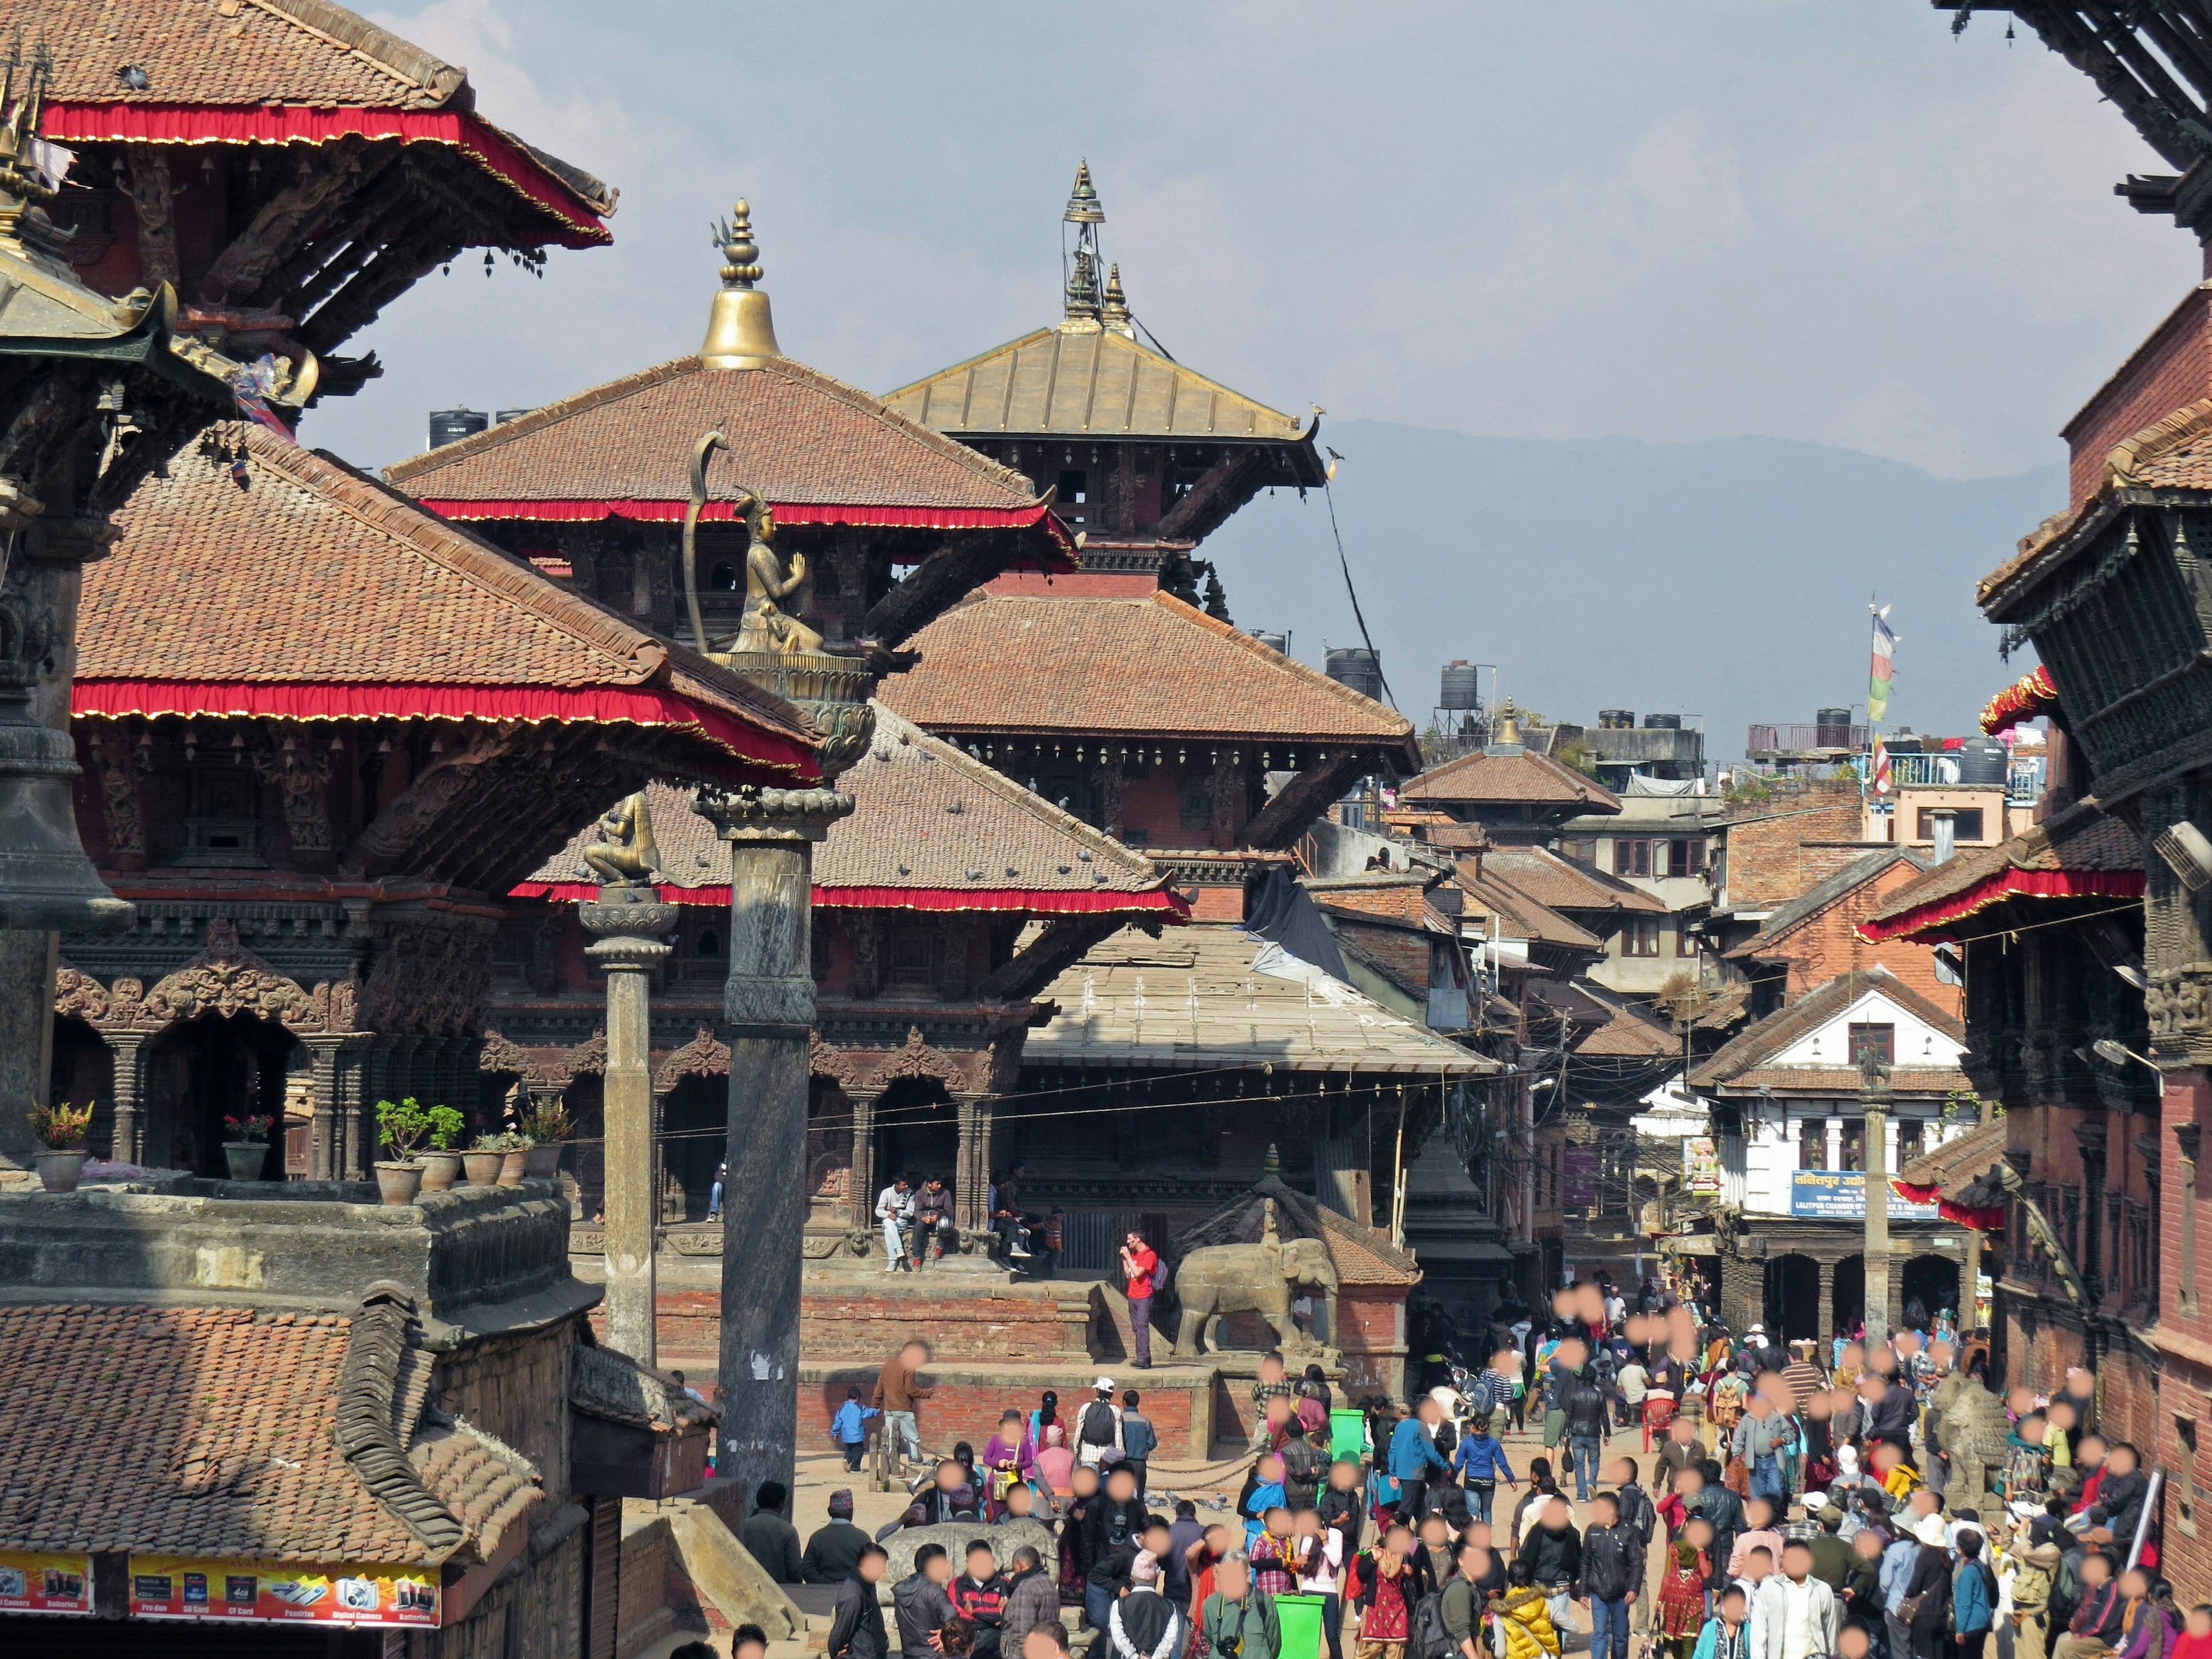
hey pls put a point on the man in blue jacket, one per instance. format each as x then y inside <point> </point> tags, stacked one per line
<point>1414,1459</point>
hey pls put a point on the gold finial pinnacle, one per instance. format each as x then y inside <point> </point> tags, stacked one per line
<point>741,253</point>
<point>1509,724</point>
<point>1083,207</point>
<point>740,333</point>
<point>1114,313</point>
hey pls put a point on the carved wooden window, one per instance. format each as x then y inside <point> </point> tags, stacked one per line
<point>1812,1144</point>
<point>1911,1135</point>
<point>1631,857</point>
<point>1639,937</point>
<point>2142,1256</point>
<point>2070,1210</point>
<point>1852,1146</point>
<point>913,960</point>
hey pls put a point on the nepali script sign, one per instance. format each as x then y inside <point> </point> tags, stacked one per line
<point>1840,1194</point>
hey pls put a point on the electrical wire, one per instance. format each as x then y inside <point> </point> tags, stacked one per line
<point>1328,494</point>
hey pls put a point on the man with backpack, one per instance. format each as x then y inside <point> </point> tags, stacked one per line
<point>1098,1430</point>
<point>1612,1563</point>
<point>1458,1608</point>
<point>1139,1440</point>
<point>1973,1595</point>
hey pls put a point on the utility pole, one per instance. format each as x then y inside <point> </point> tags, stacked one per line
<point>1873,1097</point>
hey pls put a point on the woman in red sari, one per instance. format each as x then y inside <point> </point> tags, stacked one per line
<point>1682,1600</point>
<point>1384,1596</point>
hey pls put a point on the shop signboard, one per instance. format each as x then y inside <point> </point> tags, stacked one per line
<point>31,1582</point>
<point>1580,1169</point>
<point>1840,1194</point>
<point>1701,1164</point>
<point>191,1587</point>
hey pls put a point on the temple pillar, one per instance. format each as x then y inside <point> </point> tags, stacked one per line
<point>628,923</point>
<point>344,1145</point>
<point>128,1050</point>
<point>1824,1323</point>
<point>769,1004</point>
<point>863,1203</point>
<point>971,1177</point>
<point>28,962</point>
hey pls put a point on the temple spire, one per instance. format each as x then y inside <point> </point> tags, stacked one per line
<point>1086,216</point>
<point>1114,314</point>
<point>740,328</point>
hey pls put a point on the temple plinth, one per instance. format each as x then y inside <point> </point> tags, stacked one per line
<point>628,921</point>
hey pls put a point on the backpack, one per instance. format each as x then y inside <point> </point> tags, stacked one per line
<point>1480,1397</point>
<point>1429,1638</point>
<point>1097,1424</point>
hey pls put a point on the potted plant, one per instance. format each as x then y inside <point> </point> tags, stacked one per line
<point>247,1147</point>
<point>485,1160</point>
<point>400,1126</point>
<point>514,1159</point>
<point>547,1126</point>
<point>60,1131</point>
<point>441,1164</point>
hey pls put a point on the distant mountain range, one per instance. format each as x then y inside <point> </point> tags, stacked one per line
<point>1726,578</point>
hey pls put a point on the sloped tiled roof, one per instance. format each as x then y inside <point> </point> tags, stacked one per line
<point>216,1432</point>
<point>2077,852</point>
<point>1521,777</point>
<point>1960,1164</point>
<point>926,816</point>
<point>1087,384</point>
<point>1822,894</point>
<point>1631,1034</point>
<point>315,573</point>
<point>796,435</point>
<point>1529,920</point>
<point>1151,666</point>
<point>605,1383</point>
<point>1361,1256</point>
<point>1748,1052</point>
<point>1214,995</point>
<point>1558,883</point>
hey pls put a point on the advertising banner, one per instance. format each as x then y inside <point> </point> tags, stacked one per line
<point>44,1584</point>
<point>1840,1194</point>
<point>1701,1164</point>
<point>1580,1172</point>
<point>184,1587</point>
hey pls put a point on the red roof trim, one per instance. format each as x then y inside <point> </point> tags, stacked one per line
<point>2023,699</point>
<point>754,749</point>
<point>292,123</point>
<point>1040,903</point>
<point>1982,1221</point>
<point>1921,922</point>
<point>651,512</point>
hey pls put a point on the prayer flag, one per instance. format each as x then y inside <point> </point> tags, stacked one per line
<point>1884,649</point>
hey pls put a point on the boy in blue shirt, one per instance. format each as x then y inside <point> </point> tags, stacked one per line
<point>1267,1495</point>
<point>1480,1461</point>
<point>848,1428</point>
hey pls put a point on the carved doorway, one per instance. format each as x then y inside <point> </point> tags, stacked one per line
<point>1793,1298</point>
<point>1931,1284</point>
<point>1850,1292</point>
<point>917,1133</point>
<point>84,1071</point>
<point>200,1072</point>
<point>694,1138</point>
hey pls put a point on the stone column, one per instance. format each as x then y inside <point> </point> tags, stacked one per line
<point>768,1008</point>
<point>28,962</point>
<point>972,1168</point>
<point>1874,1097</point>
<point>1824,1323</point>
<point>863,1159</point>
<point>128,1049</point>
<point>628,921</point>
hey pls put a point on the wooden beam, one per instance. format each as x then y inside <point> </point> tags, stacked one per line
<point>1230,483</point>
<point>960,564</point>
<point>277,228</point>
<point>155,210</point>
<point>1060,945</point>
<point>1310,793</point>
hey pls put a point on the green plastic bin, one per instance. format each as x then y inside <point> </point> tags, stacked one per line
<point>1347,1433</point>
<point>1301,1618</point>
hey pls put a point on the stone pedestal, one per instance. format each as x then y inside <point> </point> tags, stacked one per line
<point>769,1006</point>
<point>628,921</point>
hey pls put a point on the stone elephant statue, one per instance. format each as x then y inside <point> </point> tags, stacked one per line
<point>1224,1278</point>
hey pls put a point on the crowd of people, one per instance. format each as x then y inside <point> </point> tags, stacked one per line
<point>1774,1502</point>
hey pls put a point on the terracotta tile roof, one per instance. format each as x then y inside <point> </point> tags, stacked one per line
<point>1960,1163</point>
<point>216,1431</point>
<point>1846,1080</point>
<point>315,574</point>
<point>1211,994</point>
<point>796,435</point>
<point>1361,1256</point>
<point>1085,384</point>
<point>1151,666</point>
<point>1631,1034</point>
<point>2078,840</point>
<point>1524,777</point>
<point>1729,1064</point>
<point>1526,918</point>
<point>606,1384</point>
<point>925,816</point>
<point>1558,884</point>
<point>1802,909</point>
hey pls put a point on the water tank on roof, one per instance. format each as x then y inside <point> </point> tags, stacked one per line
<point>507,414</point>
<point>1662,722</point>
<point>1461,687</point>
<point>1832,728</point>
<point>1616,720</point>
<point>1273,642</point>
<point>1983,761</point>
<point>1356,666</point>
<point>450,426</point>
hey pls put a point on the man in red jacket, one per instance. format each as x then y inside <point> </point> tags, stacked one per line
<point>1139,1265</point>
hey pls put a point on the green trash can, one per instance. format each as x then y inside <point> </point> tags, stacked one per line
<point>1347,1433</point>
<point>1301,1618</point>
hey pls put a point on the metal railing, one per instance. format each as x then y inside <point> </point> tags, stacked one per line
<point>1806,735</point>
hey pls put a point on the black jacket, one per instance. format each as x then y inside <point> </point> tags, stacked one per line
<point>1108,1527</point>
<point>922,1608</point>
<point>2121,1497</point>
<point>1145,1618</point>
<point>1931,1582</point>
<point>1351,1507</point>
<point>1111,1570</point>
<point>1428,1575</point>
<point>1637,1513</point>
<point>1891,1417</point>
<point>1303,1466</point>
<point>1552,1557</point>
<point>1612,1562</point>
<point>857,1629</point>
<point>832,1553</point>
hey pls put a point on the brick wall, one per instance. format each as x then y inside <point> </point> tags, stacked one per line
<point>968,1400</point>
<point>1768,861</point>
<point>1403,951</point>
<point>516,1389</point>
<point>1827,945</point>
<point>859,1325</point>
<point>2170,370</point>
<point>536,1608</point>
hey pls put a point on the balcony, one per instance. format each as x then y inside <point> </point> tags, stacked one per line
<point>1805,740</point>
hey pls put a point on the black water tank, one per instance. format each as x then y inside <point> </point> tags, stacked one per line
<point>1461,687</point>
<point>507,414</point>
<point>1616,720</point>
<point>1662,722</point>
<point>1273,642</point>
<point>1832,728</point>
<point>1983,761</point>
<point>1356,666</point>
<point>450,426</point>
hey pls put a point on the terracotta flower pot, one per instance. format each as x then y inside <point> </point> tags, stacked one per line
<point>59,1171</point>
<point>543,1163</point>
<point>247,1159</point>
<point>482,1167</point>
<point>513,1165</point>
<point>441,1170</point>
<point>398,1182</point>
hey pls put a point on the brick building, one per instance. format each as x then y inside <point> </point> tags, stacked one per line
<point>1814,937</point>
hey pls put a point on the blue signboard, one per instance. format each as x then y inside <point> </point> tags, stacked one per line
<point>1840,1194</point>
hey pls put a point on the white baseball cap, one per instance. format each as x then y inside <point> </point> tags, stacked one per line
<point>1104,1385</point>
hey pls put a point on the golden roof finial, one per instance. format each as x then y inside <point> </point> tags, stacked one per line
<point>1083,207</point>
<point>1082,293</point>
<point>740,329</point>
<point>1509,726</point>
<point>23,183</point>
<point>1086,216</point>
<point>1115,313</point>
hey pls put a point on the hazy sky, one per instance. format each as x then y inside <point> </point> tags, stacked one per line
<point>1814,219</point>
